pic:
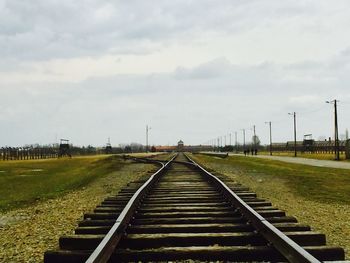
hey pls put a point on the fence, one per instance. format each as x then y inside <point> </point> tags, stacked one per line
<point>310,146</point>
<point>347,149</point>
<point>31,153</point>
<point>18,153</point>
<point>314,147</point>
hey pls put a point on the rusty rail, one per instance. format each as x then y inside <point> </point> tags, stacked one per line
<point>286,246</point>
<point>107,246</point>
<point>154,204</point>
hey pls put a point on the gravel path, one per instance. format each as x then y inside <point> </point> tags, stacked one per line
<point>25,234</point>
<point>300,160</point>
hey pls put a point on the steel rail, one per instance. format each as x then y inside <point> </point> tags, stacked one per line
<point>107,246</point>
<point>144,159</point>
<point>287,247</point>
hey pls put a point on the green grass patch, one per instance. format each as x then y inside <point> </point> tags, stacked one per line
<point>314,183</point>
<point>24,182</point>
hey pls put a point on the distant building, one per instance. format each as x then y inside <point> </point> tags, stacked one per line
<point>180,146</point>
<point>64,149</point>
<point>165,148</point>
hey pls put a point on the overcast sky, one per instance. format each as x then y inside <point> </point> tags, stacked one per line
<point>193,70</point>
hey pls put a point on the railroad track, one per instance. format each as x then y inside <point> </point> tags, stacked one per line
<point>183,212</point>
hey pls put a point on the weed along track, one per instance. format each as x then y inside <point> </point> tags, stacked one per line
<point>184,212</point>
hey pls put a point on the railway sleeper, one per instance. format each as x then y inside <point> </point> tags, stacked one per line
<point>228,213</point>
<point>96,222</point>
<point>147,241</point>
<point>196,220</point>
<point>101,215</point>
<point>215,253</point>
<point>219,253</point>
<point>303,238</point>
<point>207,220</point>
<point>170,189</point>
<point>189,228</point>
<point>198,194</point>
<point>116,206</point>
<point>186,214</point>
<point>205,204</point>
<point>155,209</point>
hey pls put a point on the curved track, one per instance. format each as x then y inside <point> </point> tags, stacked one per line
<point>183,212</point>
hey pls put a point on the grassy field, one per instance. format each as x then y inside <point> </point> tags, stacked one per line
<point>24,182</point>
<point>27,232</point>
<point>319,156</point>
<point>313,183</point>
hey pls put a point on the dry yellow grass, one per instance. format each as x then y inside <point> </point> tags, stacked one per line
<point>26,233</point>
<point>316,196</point>
<point>24,182</point>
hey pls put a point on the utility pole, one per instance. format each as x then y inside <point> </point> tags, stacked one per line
<point>236,142</point>
<point>243,139</point>
<point>230,139</point>
<point>254,137</point>
<point>225,140</point>
<point>336,133</point>
<point>269,122</point>
<point>147,129</point>
<point>295,133</point>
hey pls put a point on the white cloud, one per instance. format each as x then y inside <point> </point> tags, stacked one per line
<point>62,29</point>
<point>305,99</point>
<point>212,69</point>
<point>88,70</point>
<point>211,99</point>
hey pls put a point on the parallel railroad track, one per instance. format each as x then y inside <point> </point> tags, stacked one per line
<point>183,212</point>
